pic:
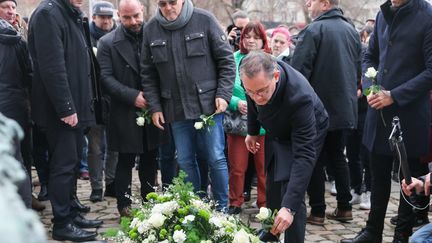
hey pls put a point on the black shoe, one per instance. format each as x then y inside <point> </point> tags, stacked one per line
<point>234,210</point>
<point>364,236</point>
<point>110,190</point>
<point>96,195</point>
<point>43,194</point>
<point>72,233</point>
<point>82,222</point>
<point>79,206</point>
<point>393,220</point>
<point>419,220</point>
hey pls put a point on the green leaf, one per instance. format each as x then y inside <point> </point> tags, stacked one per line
<point>111,233</point>
<point>211,122</point>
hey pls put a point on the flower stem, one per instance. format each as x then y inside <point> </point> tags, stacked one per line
<point>382,118</point>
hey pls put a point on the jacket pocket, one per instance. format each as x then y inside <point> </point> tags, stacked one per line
<point>159,51</point>
<point>206,93</point>
<point>195,45</point>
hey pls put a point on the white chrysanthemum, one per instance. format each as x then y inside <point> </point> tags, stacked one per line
<point>198,125</point>
<point>140,121</point>
<point>167,208</point>
<point>199,204</point>
<point>241,237</point>
<point>143,227</point>
<point>371,73</point>
<point>152,238</point>
<point>156,220</point>
<point>179,236</point>
<point>206,241</point>
<point>263,214</point>
<point>189,218</point>
<point>134,222</point>
<point>216,221</point>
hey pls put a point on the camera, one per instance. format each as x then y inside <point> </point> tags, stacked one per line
<point>235,42</point>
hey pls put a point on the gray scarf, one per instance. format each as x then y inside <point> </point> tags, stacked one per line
<point>182,19</point>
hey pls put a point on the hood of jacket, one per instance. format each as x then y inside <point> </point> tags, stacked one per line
<point>8,34</point>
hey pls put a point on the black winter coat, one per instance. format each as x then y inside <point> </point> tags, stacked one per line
<point>296,122</point>
<point>121,80</point>
<point>400,48</point>
<point>62,64</point>
<point>328,54</point>
<point>15,76</point>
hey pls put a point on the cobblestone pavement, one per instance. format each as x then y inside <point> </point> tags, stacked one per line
<point>332,231</point>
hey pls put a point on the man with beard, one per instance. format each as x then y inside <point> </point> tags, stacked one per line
<point>118,55</point>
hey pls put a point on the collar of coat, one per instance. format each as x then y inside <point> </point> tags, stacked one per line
<point>332,13</point>
<point>389,13</point>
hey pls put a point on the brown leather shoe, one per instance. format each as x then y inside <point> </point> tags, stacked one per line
<point>315,220</point>
<point>125,212</point>
<point>340,215</point>
<point>36,205</point>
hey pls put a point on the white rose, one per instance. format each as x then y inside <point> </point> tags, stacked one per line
<point>156,220</point>
<point>263,214</point>
<point>189,218</point>
<point>164,241</point>
<point>371,73</point>
<point>179,236</point>
<point>198,125</point>
<point>241,237</point>
<point>140,121</point>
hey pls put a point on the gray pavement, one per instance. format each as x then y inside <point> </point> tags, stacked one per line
<point>332,231</point>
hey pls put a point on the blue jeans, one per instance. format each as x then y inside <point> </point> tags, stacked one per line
<point>207,144</point>
<point>422,235</point>
<point>83,163</point>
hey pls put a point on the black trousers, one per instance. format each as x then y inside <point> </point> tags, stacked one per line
<point>147,169</point>
<point>65,149</point>
<point>333,151</point>
<point>274,191</point>
<point>381,167</point>
<point>358,161</point>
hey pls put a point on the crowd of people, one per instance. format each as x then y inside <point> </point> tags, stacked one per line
<point>290,108</point>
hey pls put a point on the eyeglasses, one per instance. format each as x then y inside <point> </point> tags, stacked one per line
<point>163,4</point>
<point>261,92</point>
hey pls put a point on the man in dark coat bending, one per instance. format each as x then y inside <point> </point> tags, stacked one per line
<point>281,100</point>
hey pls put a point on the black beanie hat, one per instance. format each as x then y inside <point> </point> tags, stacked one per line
<point>9,0</point>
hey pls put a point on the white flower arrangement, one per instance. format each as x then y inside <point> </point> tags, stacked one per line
<point>180,216</point>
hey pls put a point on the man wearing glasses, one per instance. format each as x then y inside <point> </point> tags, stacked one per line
<point>285,105</point>
<point>187,70</point>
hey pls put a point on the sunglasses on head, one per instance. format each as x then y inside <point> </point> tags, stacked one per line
<point>162,4</point>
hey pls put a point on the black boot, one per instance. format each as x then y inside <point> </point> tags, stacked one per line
<point>96,195</point>
<point>110,190</point>
<point>76,204</point>
<point>43,194</point>
<point>72,233</point>
<point>364,236</point>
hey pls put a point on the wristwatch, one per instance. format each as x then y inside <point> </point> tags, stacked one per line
<point>291,211</point>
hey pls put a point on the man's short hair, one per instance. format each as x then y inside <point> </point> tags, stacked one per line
<point>239,15</point>
<point>334,2</point>
<point>103,8</point>
<point>257,61</point>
